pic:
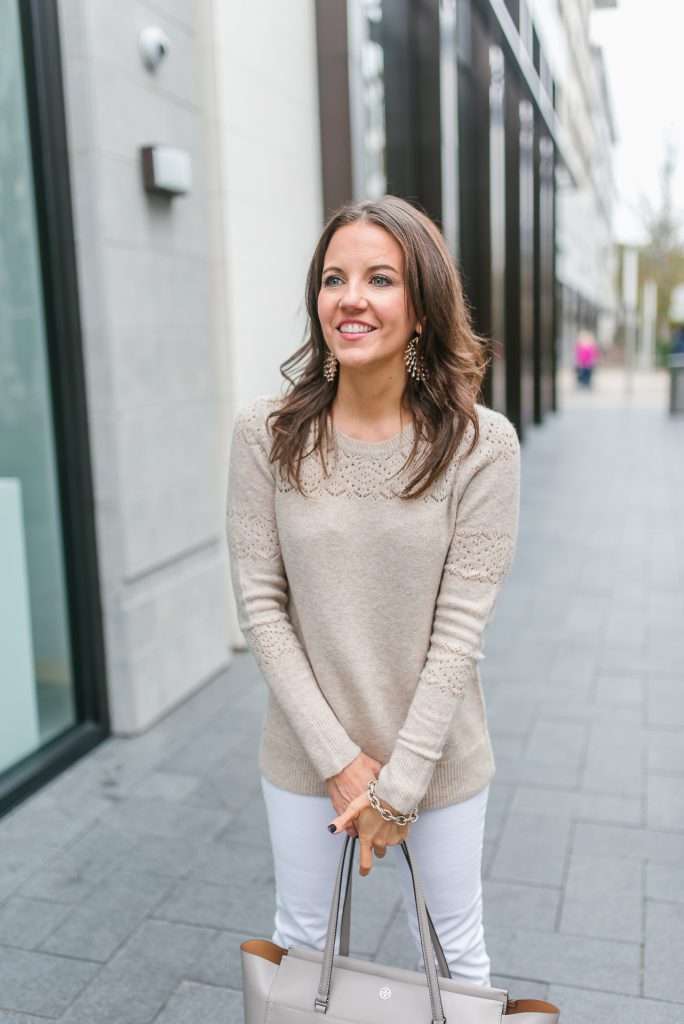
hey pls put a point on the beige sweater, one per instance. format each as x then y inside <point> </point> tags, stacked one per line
<point>366,612</point>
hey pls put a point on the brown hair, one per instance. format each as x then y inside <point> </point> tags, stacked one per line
<point>453,356</point>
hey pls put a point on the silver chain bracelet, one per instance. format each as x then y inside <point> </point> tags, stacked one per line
<point>384,812</point>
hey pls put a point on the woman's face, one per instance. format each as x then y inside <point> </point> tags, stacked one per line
<point>362,305</point>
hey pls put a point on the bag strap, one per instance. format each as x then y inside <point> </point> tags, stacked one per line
<point>345,928</point>
<point>321,1001</point>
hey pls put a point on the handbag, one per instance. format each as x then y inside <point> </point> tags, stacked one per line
<point>290,986</point>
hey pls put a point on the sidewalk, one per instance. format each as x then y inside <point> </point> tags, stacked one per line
<point>127,885</point>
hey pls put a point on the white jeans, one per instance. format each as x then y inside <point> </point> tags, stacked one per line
<point>447,848</point>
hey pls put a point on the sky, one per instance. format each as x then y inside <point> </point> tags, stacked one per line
<point>643,45</point>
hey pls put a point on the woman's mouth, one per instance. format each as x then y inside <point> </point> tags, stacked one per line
<point>352,329</point>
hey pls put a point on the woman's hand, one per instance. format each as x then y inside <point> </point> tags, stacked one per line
<point>375,834</point>
<point>350,783</point>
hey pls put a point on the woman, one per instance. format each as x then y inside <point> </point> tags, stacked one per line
<point>372,519</point>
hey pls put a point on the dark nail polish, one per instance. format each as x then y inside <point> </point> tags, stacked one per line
<point>332,828</point>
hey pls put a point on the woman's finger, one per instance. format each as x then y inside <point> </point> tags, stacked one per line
<point>339,824</point>
<point>380,851</point>
<point>366,856</point>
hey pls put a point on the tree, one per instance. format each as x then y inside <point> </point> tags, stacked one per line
<point>662,258</point>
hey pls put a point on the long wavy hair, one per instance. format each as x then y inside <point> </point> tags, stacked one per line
<point>453,355</point>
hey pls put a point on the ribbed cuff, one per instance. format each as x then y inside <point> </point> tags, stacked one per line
<point>404,780</point>
<point>408,780</point>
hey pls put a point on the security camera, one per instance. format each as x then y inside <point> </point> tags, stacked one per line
<point>154,46</point>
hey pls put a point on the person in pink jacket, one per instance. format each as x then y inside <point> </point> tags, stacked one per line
<point>586,357</point>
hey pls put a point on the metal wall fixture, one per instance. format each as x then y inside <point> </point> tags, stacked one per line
<point>154,45</point>
<point>166,171</point>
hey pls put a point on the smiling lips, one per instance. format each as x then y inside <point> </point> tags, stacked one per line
<point>354,328</point>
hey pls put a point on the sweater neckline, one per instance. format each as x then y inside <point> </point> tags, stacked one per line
<point>390,444</point>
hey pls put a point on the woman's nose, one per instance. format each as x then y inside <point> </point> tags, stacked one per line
<point>352,297</point>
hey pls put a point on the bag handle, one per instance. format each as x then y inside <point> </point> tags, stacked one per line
<point>321,1001</point>
<point>345,928</point>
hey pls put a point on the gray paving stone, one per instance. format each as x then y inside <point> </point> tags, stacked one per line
<point>665,882</point>
<point>232,796</point>
<point>200,756</point>
<point>514,771</point>
<point>220,962</point>
<point>206,1003</point>
<point>663,961</point>
<point>573,664</point>
<point>666,757</point>
<point>238,909</point>
<point>665,700</point>
<point>626,660</point>
<point>629,843</point>
<point>233,864</point>
<point>38,983</point>
<point>488,854</point>
<point>581,1006</point>
<point>150,817</point>
<point>665,801</point>
<point>567,708</point>
<point>167,786</point>
<point>138,980</point>
<point>19,861</point>
<point>497,809</point>
<point>553,743</point>
<point>19,1018</point>
<point>615,771</point>
<point>249,827</point>
<point>506,904</point>
<point>557,803</point>
<point>532,849</point>
<point>107,916</point>
<point>167,856</point>
<point>397,947</point>
<point>506,716</point>
<point>25,923</point>
<point>89,860</point>
<point>43,820</point>
<point>221,863</point>
<point>603,898</point>
<point>619,689</point>
<point>565,959</point>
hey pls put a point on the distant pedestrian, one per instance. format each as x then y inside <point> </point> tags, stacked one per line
<point>372,519</point>
<point>586,357</point>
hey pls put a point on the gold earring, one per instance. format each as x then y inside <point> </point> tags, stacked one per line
<point>414,360</point>
<point>330,367</point>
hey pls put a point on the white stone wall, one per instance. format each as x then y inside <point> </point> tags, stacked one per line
<point>267,100</point>
<point>188,306</point>
<point>151,273</point>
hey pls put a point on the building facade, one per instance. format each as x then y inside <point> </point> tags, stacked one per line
<point>586,268</point>
<point>142,308</point>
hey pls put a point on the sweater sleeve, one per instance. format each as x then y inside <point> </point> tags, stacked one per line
<point>478,560</point>
<point>261,593</point>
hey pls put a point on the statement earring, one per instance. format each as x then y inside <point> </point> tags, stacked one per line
<point>330,367</point>
<point>414,361</point>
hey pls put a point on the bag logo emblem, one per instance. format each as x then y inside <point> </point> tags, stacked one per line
<point>385,993</point>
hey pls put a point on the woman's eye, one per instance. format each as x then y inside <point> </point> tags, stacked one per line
<point>331,280</point>
<point>381,280</point>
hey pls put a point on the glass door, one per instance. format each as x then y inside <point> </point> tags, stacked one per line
<point>52,705</point>
<point>37,692</point>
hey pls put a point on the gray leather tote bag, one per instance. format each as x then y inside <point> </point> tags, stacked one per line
<point>292,986</point>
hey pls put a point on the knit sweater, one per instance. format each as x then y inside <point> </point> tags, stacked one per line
<point>366,611</point>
